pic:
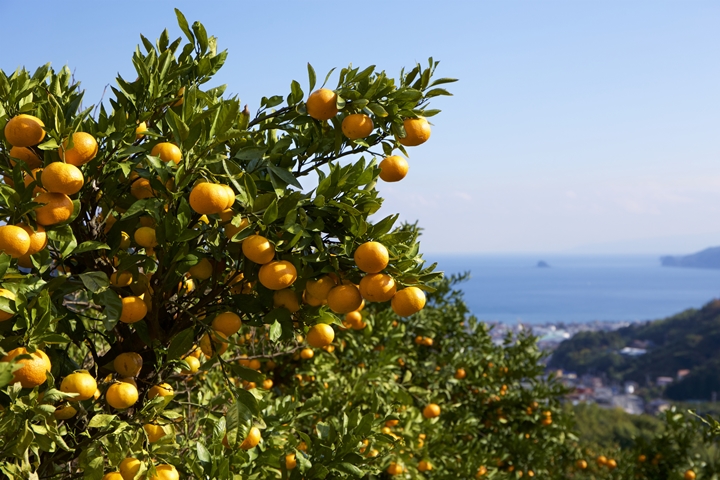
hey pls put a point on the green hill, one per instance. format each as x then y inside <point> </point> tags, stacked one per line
<point>689,340</point>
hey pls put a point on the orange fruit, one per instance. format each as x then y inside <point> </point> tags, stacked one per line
<point>33,372</point>
<point>424,466</point>
<point>228,323</point>
<point>267,384</point>
<point>290,461</point>
<point>219,345</point>
<point>166,471</point>
<point>231,230</point>
<point>129,467</point>
<point>395,469</point>
<point>24,131</point>
<point>162,390</point>
<point>59,177</point>
<point>181,97</point>
<point>134,309</point>
<point>377,287</point>
<point>602,460</point>
<point>201,270</point>
<point>277,275</point>
<point>258,249</point>
<point>208,198</point>
<point>154,432</point>
<point>168,152</point>
<point>145,237</point>
<point>307,353</point>
<point>252,439</point>
<point>581,464</point>
<point>322,104</point>
<point>84,148</point>
<point>194,365</point>
<point>38,238</point>
<point>312,301</point>
<point>417,132</point>
<point>58,208</point>
<point>393,168</point>
<point>64,412</point>
<point>320,288</point>
<point>612,464</point>
<point>354,320</point>
<point>230,196</point>
<point>357,125</point>
<point>320,335</point>
<point>121,395</point>
<point>408,301</point>
<point>431,410</point>
<point>14,240</point>
<point>689,475</point>
<point>140,130</point>
<point>481,471</point>
<point>371,257</point>
<point>344,299</point>
<point>11,296</point>
<point>128,364</point>
<point>460,373</point>
<point>141,189</point>
<point>121,279</point>
<point>80,382</point>
<point>26,155</point>
<point>287,299</point>
<point>112,476</point>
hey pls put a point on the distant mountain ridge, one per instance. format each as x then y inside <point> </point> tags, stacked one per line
<point>708,258</point>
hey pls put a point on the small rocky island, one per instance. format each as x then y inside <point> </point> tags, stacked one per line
<point>708,258</point>
<point>542,264</point>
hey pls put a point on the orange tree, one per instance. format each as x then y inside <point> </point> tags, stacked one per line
<point>175,303</point>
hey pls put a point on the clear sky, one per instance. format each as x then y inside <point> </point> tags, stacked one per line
<point>577,126</point>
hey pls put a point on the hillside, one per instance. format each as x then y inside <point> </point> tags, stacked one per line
<point>688,340</point>
<point>708,258</point>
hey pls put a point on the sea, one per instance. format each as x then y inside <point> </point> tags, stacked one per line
<point>512,289</point>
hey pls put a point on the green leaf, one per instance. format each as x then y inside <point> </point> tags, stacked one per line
<point>350,469</point>
<point>183,24</point>
<point>96,282</point>
<point>113,307</point>
<point>101,420</point>
<point>247,373</point>
<point>271,213</point>
<point>238,421</point>
<point>89,246</point>
<point>284,175</point>
<point>4,263</point>
<point>249,400</point>
<point>181,344</point>
<point>275,331</point>
<point>311,76</point>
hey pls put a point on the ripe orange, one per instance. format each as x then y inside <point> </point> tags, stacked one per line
<point>287,299</point>
<point>121,395</point>
<point>154,432</point>
<point>612,464</point>
<point>290,461</point>
<point>377,287</point>
<point>311,300</point>
<point>14,240</point>
<point>166,471</point>
<point>38,238</point>
<point>395,469</point>
<point>140,130</point>
<point>168,152</point>
<point>228,323</point>
<point>64,412</point>
<point>431,410</point>
<point>121,279</point>
<point>277,275</point>
<point>134,309</point>
<point>59,177</point>
<point>84,148</point>
<point>689,475</point>
<point>162,390</point>
<point>181,97</point>
<point>145,237</point>
<point>267,384</point>
<point>354,320</point>
<point>11,296</point>
<point>581,464</point>
<point>231,230</point>
<point>371,257</point>
<point>57,209</point>
<point>258,249</point>
<point>201,270</point>
<point>460,373</point>
<point>408,301</point>
<point>141,189</point>
<point>129,467</point>
<point>25,155</point>
<point>602,460</point>
<point>357,125</point>
<point>194,365</point>
<point>112,476</point>
<point>481,471</point>
<point>344,299</point>
<point>128,364</point>
<point>417,130</point>
<point>33,372</point>
<point>424,466</point>
<point>252,439</point>
<point>219,345</point>
<point>24,131</point>
<point>322,104</point>
<point>208,198</point>
<point>307,353</point>
<point>80,382</point>
<point>230,196</point>
<point>320,288</point>
<point>320,335</point>
<point>393,168</point>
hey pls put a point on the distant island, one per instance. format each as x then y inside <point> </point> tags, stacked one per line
<point>543,264</point>
<point>708,258</point>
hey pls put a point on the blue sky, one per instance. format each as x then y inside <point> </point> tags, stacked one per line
<point>588,126</point>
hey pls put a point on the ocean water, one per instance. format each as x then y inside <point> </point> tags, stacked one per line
<point>577,289</point>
